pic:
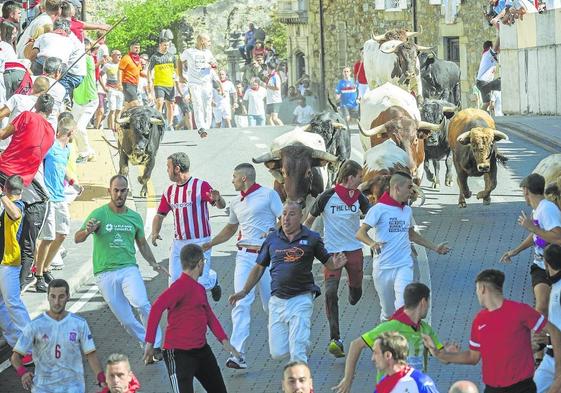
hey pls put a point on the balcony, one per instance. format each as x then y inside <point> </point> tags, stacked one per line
<point>293,11</point>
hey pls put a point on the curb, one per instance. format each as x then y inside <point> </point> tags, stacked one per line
<point>530,134</point>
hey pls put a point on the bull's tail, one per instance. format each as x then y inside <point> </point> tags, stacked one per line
<point>501,159</point>
<point>109,143</point>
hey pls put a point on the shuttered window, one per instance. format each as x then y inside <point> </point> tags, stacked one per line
<point>435,2</point>
<point>342,43</point>
<point>393,5</point>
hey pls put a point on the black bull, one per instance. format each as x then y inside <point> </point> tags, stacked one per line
<point>441,78</point>
<point>140,132</point>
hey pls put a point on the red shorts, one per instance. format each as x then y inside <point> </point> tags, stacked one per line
<point>354,269</point>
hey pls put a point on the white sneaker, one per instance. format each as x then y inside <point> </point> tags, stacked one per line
<point>236,363</point>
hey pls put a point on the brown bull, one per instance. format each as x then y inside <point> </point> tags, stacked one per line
<point>472,136</point>
<point>395,123</point>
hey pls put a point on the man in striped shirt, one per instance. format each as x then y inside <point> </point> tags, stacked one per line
<point>188,199</point>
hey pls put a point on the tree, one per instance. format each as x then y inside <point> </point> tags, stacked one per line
<point>145,20</point>
<point>278,33</point>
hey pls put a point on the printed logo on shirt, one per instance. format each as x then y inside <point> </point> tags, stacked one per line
<point>181,205</point>
<point>109,227</point>
<point>45,337</point>
<point>344,207</point>
<point>73,337</point>
<point>396,225</point>
<point>303,242</point>
<point>481,326</point>
<point>292,254</point>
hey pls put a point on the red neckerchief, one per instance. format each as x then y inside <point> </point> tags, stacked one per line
<point>348,196</point>
<point>387,383</point>
<point>253,187</point>
<point>135,57</point>
<point>402,317</point>
<point>223,80</point>
<point>386,199</point>
<point>134,385</point>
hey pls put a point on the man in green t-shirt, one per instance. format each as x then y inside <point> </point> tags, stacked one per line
<point>407,321</point>
<point>116,229</point>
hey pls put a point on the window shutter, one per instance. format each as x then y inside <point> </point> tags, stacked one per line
<point>435,2</point>
<point>403,4</point>
<point>380,4</point>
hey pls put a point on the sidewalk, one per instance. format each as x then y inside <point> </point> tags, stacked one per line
<point>77,265</point>
<point>544,130</point>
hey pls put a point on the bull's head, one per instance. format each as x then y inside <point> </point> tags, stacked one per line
<point>436,112</point>
<point>292,166</point>
<point>406,66</point>
<point>376,183</point>
<point>406,133</point>
<point>482,142</point>
<point>139,126</point>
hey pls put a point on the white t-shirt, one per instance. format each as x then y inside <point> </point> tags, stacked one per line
<point>391,225</point>
<point>41,20</point>
<point>20,103</point>
<point>78,49</point>
<point>102,51</point>
<point>546,216</point>
<point>255,101</point>
<point>340,221</point>
<point>57,348</point>
<point>303,115</point>
<point>198,61</point>
<point>274,96</point>
<point>256,214</point>
<point>54,45</point>
<point>224,100</point>
<point>7,53</point>
<point>486,67</point>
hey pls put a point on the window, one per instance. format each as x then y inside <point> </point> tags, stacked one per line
<point>390,5</point>
<point>452,49</point>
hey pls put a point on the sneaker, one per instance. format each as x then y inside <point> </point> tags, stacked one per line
<point>28,282</point>
<point>158,355</point>
<point>237,363</point>
<point>48,277</point>
<point>202,132</point>
<point>40,285</point>
<point>27,360</point>
<point>216,292</point>
<point>63,252</point>
<point>335,348</point>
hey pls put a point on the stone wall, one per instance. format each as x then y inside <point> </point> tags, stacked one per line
<point>531,62</point>
<point>349,23</point>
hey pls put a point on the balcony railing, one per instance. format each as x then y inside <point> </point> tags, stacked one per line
<point>293,11</point>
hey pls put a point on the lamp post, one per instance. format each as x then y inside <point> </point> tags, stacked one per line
<point>322,99</point>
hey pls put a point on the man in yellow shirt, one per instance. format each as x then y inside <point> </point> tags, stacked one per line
<point>13,314</point>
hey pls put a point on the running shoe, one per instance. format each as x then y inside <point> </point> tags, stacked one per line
<point>28,282</point>
<point>202,132</point>
<point>216,292</point>
<point>48,277</point>
<point>40,285</point>
<point>158,355</point>
<point>27,360</point>
<point>335,348</point>
<point>237,363</point>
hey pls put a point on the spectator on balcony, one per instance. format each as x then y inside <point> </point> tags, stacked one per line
<point>360,75</point>
<point>249,44</point>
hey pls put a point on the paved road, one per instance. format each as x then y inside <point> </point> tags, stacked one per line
<point>477,234</point>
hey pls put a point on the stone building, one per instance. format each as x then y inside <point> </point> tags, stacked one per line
<point>456,31</point>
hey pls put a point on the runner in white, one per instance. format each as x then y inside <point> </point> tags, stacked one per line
<point>255,212</point>
<point>188,199</point>
<point>223,97</point>
<point>200,63</point>
<point>392,266</point>
<point>57,339</point>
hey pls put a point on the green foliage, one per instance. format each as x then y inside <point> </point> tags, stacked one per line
<point>278,33</point>
<point>145,20</point>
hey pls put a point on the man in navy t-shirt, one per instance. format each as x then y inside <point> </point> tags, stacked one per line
<point>290,253</point>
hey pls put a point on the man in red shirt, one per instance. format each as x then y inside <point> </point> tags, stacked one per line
<point>360,75</point>
<point>186,352</point>
<point>32,137</point>
<point>501,338</point>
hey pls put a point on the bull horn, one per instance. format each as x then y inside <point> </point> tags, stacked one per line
<point>323,155</point>
<point>373,131</point>
<point>338,125</point>
<point>449,109</point>
<point>425,125</point>
<point>390,46</point>
<point>123,120</point>
<point>463,136</point>
<point>410,34</point>
<point>421,48</point>
<point>380,37</point>
<point>269,156</point>
<point>500,134</point>
<point>155,120</point>
<point>420,193</point>
<point>307,127</point>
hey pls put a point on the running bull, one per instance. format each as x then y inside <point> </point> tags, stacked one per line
<point>472,136</point>
<point>294,160</point>
<point>441,78</point>
<point>550,169</point>
<point>139,134</point>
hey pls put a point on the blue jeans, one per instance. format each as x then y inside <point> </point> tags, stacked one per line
<point>70,82</point>
<point>256,120</point>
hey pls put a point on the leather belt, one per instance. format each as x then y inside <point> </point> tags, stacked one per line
<point>250,250</point>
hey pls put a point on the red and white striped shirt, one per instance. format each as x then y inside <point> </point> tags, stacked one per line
<point>189,203</point>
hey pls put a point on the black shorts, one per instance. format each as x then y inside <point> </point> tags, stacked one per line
<point>539,276</point>
<point>485,88</point>
<point>273,108</point>
<point>350,112</point>
<point>525,386</point>
<point>130,92</point>
<point>168,93</point>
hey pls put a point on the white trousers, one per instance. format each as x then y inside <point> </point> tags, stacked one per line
<point>545,373</point>
<point>13,314</point>
<point>362,90</point>
<point>123,289</point>
<point>390,285</point>
<point>290,325</point>
<point>241,313</point>
<point>201,98</point>
<point>82,115</point>
<point>208,279</point>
